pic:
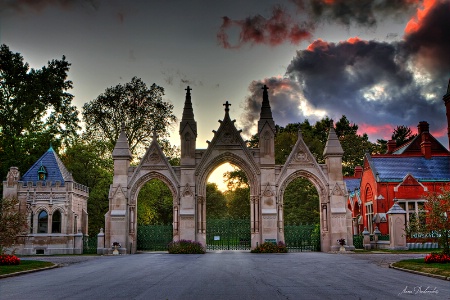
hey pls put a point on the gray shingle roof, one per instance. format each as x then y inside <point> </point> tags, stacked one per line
<point>56,171</point>
<point>352,183</point>
<point>396,168</point>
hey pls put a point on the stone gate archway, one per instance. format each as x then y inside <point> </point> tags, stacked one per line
<point>267,181</point>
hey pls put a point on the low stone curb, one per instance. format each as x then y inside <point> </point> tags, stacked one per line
<point>28,271</point>
<point>419,273</point>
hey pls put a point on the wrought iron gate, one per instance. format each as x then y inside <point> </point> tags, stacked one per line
<point>154,237</point>
<point>300,238</point>
<point>228,234</point>
<point>89,245</point>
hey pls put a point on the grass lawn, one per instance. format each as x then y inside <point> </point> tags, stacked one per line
<point>420,265</point>
<point>25,265</point>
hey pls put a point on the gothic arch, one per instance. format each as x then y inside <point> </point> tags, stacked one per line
<point>318,184</point>
<point>139,183</point>
<point>230,157</point>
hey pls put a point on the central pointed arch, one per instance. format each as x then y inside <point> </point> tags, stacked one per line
<point>232,158</point>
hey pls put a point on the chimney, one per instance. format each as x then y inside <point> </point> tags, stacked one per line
<point>446,99</point>
<point>391,145</point>
<point>423,127</point>
<point>358,172</point>
<point>425,145</point>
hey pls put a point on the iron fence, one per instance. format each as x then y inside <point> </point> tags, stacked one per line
<point>303,237</point>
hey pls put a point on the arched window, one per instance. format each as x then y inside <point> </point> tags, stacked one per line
<point>56,222</point>
<point>43,222</point>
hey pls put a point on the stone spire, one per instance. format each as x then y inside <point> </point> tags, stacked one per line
<point>188,113</point>
<point>122,148</point>
<point>266,112</point>
<point>188,132</point>
<point>333,146</point>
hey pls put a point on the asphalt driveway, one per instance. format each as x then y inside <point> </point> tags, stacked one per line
<point>225,275</point>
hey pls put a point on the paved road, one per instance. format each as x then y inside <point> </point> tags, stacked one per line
<point>227,275</point>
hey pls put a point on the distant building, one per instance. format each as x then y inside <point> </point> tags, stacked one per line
<point>56,207</point>
<point>405,173</point>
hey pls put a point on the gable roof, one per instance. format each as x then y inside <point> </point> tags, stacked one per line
<point>413,147</point>
<point>394,168</point>
<point>56,171</point>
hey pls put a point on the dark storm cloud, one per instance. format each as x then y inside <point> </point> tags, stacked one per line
<point>427,38</point>
<point>282,27</point>
<point>284,102</point>
<point>378,82</point>
<point>39,5</point>
<point>373,83</point>
<point>276,30</point>
<point>354,12</point>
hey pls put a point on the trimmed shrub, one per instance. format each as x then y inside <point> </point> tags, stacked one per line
<point>269,247</point>
<point>185,247</point>
<point>9,260</point>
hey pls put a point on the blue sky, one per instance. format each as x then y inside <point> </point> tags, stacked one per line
<point>381,63</point>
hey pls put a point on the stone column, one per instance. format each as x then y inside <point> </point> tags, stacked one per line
<point>101,242</point>
<point>366,241</point>
<point>397,236</point>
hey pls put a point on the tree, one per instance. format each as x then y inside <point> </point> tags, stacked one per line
<point>238,202</point>
<point>402,134</point>
<point>13,221</point>
<point>35,109</point>
<point>301,202</point>
<point>235,179</point>
<point>154,204</point>
<point>91,165</point>
<point>141,109</point>
<point>216,204</point>
<point>437,222</point>
<point>353,144</point>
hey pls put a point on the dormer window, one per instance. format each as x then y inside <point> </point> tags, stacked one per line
<point>42,173</point>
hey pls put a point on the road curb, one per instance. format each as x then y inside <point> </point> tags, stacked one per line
<point>420,273</point>
<point>29,271</point>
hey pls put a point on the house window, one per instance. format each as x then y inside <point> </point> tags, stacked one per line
<point>412,207</point>
<point>369,216</point>
<point>56,222</point>
<point>42,173</point>
<point>43,222</point>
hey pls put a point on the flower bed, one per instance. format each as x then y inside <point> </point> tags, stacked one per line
<point>9,260</point>
<point>185,247</point>
<point>437,258</point>
<point>269,247</point>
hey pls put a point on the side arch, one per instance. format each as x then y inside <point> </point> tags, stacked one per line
<point>134,189</point>
<point>136,186</point>
<point>321,188</point>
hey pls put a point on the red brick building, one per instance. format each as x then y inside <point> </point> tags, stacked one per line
<point>405,173</point>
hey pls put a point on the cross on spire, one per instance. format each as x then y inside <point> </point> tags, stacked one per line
<point>227,105</point>
<point>265,88</point>
<point>188,89</point>
<point>155,135</point>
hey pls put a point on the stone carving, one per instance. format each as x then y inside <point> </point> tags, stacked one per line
<point>153,157</point>
<point>12,177</point>
<point>187,191</point>
<point>301,156</point>
<point>268,191</point>
<point>227,138</point>
<point>337,191</point>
